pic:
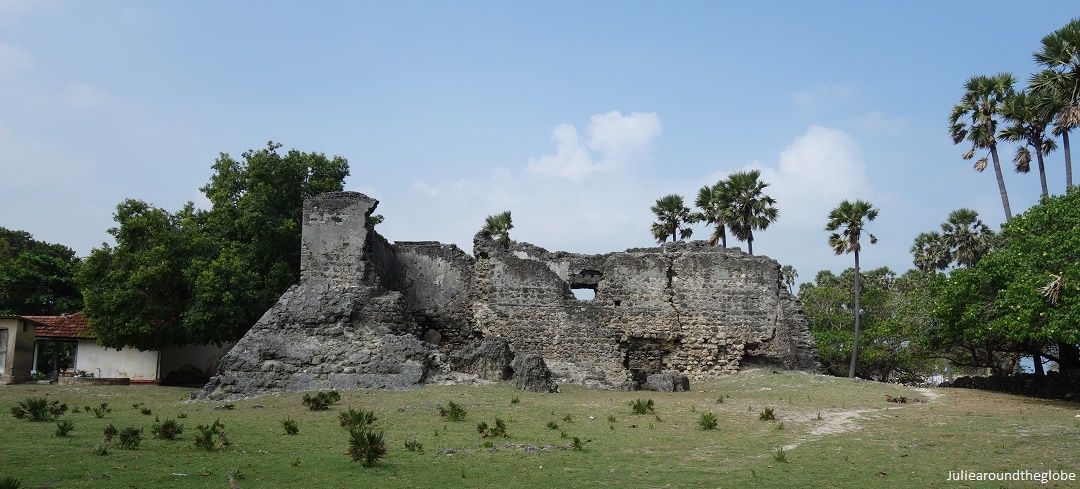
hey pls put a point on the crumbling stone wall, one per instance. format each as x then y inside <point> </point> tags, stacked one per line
<point>369,313</point>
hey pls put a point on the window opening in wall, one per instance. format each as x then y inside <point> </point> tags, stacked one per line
<point>584,294</point>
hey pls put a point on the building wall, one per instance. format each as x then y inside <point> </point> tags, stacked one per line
<point>202,357</point>
<point>19,352</point>
<point>107,362</point>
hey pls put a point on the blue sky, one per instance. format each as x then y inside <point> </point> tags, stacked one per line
<point>576,116</point>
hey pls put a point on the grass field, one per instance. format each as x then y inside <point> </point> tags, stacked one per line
<point>837,433</point>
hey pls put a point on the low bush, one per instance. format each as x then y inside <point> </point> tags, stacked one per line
<point>109,432</point>
<point>641,406</point>
<point>577,445</point>
<point>146,411</point>
<point>166,430</point>
<point>767,414</point>
<point>779,455</point>
<point>452,411</point>
<point>212,437</point>
<point>551,425</point>
<point>707,421</point>
<point>290,426</point>
<point>64,427</point>
<point>355,418</point>
<point>321,401</point>
<point>366,446</point>
<point>129,438</point>
<point>10,483</point>
<point>414,446</point>
<point>38,409</point>
<point>101,411</point>
<point>496,431</point>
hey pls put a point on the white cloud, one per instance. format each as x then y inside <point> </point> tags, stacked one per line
<point>14,59</point>
<point>614,141</point>
<point>823,95</point>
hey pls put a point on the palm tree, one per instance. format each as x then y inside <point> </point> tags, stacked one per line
<point>1028,119</point>
<point>846,223</point>
<point>672,218</point>
<point>750,208</point>
<point>975,119</point>
<point>1060,54</point>
<point>967,238</point>
<point>715,204</point>
<point>930,252</point>
<point>788,274</point>
<point>499,225</point>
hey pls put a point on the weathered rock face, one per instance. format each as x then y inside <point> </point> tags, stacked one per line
<point>368,313</point>
<point>667,382</point>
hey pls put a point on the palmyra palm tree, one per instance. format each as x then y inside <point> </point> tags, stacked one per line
<point>846,224</point>
<point>750,208</point>
<point>672,217</point>
<point>967,238</point>
<point>499,225</point>
<point>715,204</point>
<point>1028,118</point>
<point>975,119</point>
<point>1060,82</point>
<point>930,252</point>
<point>788,275</point>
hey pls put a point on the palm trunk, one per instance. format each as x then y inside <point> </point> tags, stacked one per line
<point>723,236</point>
<point>858,296</point>
<point>1068,159</point>
<point>1001,183</point>
<point>1042,171</point>
<point>1036,358</point>
<point>750,243</point>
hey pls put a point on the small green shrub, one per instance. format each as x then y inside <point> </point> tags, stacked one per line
<point>611,418</point>
<point>354,419</point>
<point>707,421</point>
<point>101,411</point>
<point>767,414</point>
<point>720,400</point>
<point>64,427</point>
<point>576,444</point>
<point>515,400</point>
<point>366,446</point>
<point>452,411</point>
<point>109,432</point>
<point>10,483</point>
<point>181,416</point>
<point>38,409</point>
<point>563,434</point>
<point>779,455</point>
<point>146,411</point>
<point>100,448</point>
<point>228,407</point>
<point>497,431</point>
<point>321,400</point>
<point>568,418</point>
<point>780,426</point>
<point>290,426</point>
<point>641,406</point>
<point>212,437</point>
<point>551,425</point>
<point>693,408</point>
<point>129,438</point>
<point>76,410</point>
<point>166,430</point>
<point>414,446</point>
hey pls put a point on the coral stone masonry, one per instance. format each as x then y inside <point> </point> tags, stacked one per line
<point>368,313</point>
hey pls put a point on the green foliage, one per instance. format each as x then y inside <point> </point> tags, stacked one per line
<point>10,483</point>
<point>452,411</point>
<point>146,411</point>
<point>715,204</point>
<point>109,432</point>
<point>576,444</point>
<point>551,425</point>
<point>779,455</point>
<point>767,414</point>
<point>672,219</point>
<point>567,418</point>
<point>321,401</point>
<point>496,431</point>
<point>64,427</point>
<point>290,427</point>
<point>129,438</point>
<point>205,276</point>
<point>611,418</point>
<point>414,446</point>
<point>515,400</point>
<point>641,406</point>
<point>894,320</point>
<point>707,421</point>
<point>353,419</point>
<point>36,278</point>
<point>166,430</point>
<point>100,449</point>
<point>38,409</point>
<point>498,226</point>
<point>366,446</point>
<point>212,437</point>
<point>750,209</point>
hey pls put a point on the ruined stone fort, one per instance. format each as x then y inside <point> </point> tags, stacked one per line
<point>371,313</point>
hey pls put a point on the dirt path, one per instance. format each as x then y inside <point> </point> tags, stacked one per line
<point>839,422</point>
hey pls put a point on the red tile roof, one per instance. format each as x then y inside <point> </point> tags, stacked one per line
<point>66,326</point>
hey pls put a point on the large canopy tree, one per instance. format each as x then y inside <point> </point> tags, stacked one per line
<point>975,119</point>
<point>750,208</point>
<point>1027,120</point>
<point>715,204</point>
<point>202,276</point>
<point>36,278</point>
<point>672,219</point>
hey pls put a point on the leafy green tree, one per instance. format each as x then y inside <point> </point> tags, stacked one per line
<point>1027,120</point>
<point>895,312</point>
<point>1022,296</point>
<point>1059,82</point>
<point>847,222</point>
<point>751,209</point>
<point>206,276</point>
<point>975,119</point>
<point>672,219</point>
<point>966,237</point>
<point>36,278</point>
<point>499,226</point>
<point>788,275</point>
<point>715,204</point>
<point>930,252</point>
